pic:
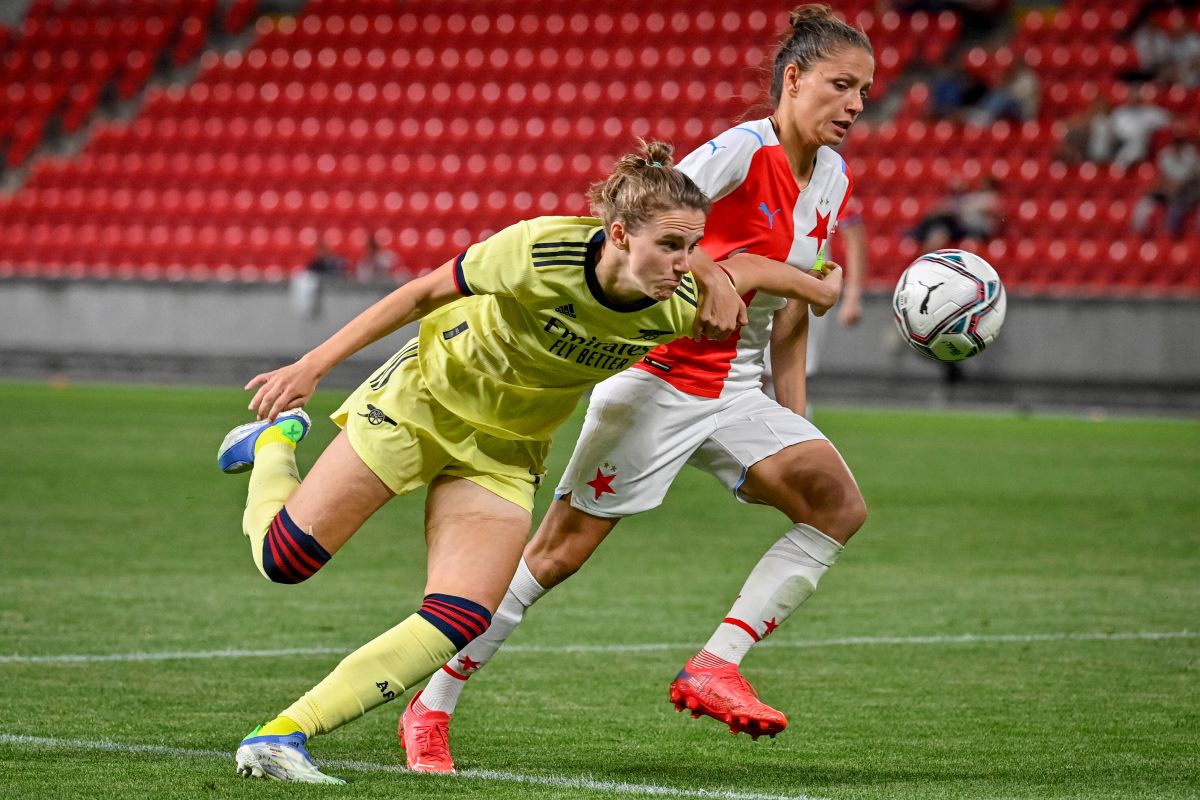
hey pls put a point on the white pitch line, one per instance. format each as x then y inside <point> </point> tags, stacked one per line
<point>853,641</point>
<point>556,781</point>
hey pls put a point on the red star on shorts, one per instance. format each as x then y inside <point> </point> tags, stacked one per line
<point>771,626</point>
<point>467,664</point>
<point>602,484</point>
<point>821,229</point>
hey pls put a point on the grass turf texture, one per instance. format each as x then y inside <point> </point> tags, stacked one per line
<point>119,535</point>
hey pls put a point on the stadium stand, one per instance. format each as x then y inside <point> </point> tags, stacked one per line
<point>436,123</point>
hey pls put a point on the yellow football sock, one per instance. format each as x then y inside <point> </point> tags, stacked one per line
<point>272,482</point>
<point>280,726</point>
<point>379,671</point>
<point>277,433</point>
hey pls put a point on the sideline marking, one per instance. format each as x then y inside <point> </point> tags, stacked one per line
<point>965,638</point>
<point>557,781</point>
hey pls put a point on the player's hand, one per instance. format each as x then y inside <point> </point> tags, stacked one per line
<point>282,389</point>
<point>721,311</point>
<point>831,281</point>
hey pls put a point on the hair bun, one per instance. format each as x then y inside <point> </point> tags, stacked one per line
<point>802,16</point>
<point>657,154</point>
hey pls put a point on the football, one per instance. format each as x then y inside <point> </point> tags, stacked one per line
<point>949,305</point>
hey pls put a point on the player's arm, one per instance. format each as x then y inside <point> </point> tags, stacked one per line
<point>758,273</point>
<point>293,385</point>
<point>789,356</point>
<point>854,272</point>
<point>721,310</point>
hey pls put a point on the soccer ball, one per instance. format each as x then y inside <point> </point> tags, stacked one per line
<point>949,305</point>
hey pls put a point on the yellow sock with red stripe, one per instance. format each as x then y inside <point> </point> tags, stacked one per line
<point>272,481</point>
<point>387,666</point>
<point>281,549</point>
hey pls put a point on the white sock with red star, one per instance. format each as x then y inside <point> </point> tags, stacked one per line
<point>443,689</point>
<point>782,579</point>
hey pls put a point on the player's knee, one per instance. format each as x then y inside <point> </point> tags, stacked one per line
<point>552,562</point>
<point>853,514</point>
<point>833,505</point>
<point>459,619</point>
<point>841,508</point>
<point>289,555</point>
<point>555,567</point>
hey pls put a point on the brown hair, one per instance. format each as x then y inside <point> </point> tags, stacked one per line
<point>815,35</point>
<point>643,184</point>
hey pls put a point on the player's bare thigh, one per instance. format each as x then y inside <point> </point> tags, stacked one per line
<point>474,539</point>
<point>811,483</point>
<point>337,496</point>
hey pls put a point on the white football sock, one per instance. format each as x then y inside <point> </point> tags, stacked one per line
<point>443,689</point>
<point>782,579</point>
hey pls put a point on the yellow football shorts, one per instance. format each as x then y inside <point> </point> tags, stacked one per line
<point>407,438</point>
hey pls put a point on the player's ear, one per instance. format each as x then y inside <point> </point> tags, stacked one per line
<point>791,78</point>
<point>619,235</point>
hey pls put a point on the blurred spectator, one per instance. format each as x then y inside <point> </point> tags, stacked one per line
<point>306,284</point>
<point>1166,55</point>
<point>1184,52</point>
<point>1089,134</point>
<point>953,89</point>
<point>376,264</point>
<point>1134,123</point>
<point>961,214</point>
<point>1017,99</point>
<point>1177,188</point>
<point>1152,46</point>
<point>324,261</point>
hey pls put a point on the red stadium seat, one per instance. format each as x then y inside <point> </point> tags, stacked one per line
<point>359,113</point>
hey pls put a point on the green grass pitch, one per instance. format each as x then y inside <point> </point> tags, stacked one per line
<point>1018,619</point>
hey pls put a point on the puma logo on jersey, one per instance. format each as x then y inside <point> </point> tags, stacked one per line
<point>567,310</point>
<point>715,147</point>
<point>770,214</point>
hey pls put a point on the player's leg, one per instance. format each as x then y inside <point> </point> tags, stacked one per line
<point>563,542</point>
<point>291,542</point>
<point>812,485</point>
<point>268,449</point>
<point>775,457</point>
<point>353,477</point>
<point>565,539</point>
<point>474,538</point>
<point>339,494</point>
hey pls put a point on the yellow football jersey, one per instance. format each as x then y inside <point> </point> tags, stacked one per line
<point>534,331</point>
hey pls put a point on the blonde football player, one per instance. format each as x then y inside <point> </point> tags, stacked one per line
<point>513,332</point>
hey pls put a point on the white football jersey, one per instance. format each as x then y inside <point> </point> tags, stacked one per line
<point>757,208</point>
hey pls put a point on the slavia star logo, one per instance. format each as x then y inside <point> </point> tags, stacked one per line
<point>468,664</point>
<point>821,229</point>
<point>602,484</point>
<point>771,626</point>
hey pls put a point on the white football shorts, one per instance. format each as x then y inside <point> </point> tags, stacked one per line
<point>639,432</point>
